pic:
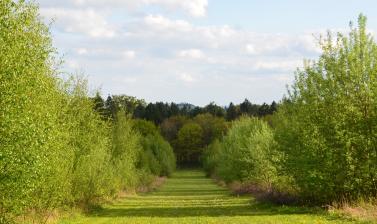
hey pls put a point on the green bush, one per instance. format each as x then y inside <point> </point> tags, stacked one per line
<point>162,152</point>
<point>158,156</point>
<point>210,158</point>
<point>246,153</point>
<point>125,151</point>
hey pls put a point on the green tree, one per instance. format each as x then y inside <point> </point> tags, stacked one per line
<point>232,112</point>
<point>246,154</point>
<point>326,128</point>
<point>33,158</point>
<point>213,127</point>
<point>189,143</point>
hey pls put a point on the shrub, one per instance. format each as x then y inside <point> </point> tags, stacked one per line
<point>246,153</point>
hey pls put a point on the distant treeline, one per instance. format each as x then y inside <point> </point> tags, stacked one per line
<point>189,129</point>
<point>159,111</point>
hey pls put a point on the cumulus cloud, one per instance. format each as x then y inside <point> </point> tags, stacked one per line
<point>191,53</point>
<point>129,54</point>
<point>195,8</point>
<point>87,21</point>
<point>186,77</point>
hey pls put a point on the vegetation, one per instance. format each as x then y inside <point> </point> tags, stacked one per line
<point>326,127</point>
<point>58,146</point>
<point>322,141</point>
<point>245,154</point>
<point>61,147</point>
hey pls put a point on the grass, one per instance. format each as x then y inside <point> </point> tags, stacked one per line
<point>190,197</point>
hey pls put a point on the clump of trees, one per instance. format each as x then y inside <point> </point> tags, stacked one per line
<point>327,127</point>
<point>322,144</point>
<point>189,137</point>
<point>59,147</point>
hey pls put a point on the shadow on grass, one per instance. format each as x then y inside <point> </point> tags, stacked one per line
<point>204,210</point>
<point>190,194</point>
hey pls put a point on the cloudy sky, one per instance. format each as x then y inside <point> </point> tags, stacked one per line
<point>195,51</point>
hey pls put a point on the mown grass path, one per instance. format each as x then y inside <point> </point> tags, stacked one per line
<point>190,197</point>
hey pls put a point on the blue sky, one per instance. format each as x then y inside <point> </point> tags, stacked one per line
<point>195,51</point>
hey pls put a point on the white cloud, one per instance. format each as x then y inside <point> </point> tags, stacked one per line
<point>129,54</point>
<point>81,51</point>
<point>87,21</point>
<point>195,8</point>
<point>160,22</point>
<point>186,78</point>
<point>191,53</point>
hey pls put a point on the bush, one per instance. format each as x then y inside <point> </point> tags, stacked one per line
<point>210,157</point>
<point>246,153</point>
<point>158,156</point>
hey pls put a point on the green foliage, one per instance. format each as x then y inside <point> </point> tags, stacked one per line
<point>145,127</point>
<point>159,155</point>
<point>170,127</point>
<point>189,143</point>
<point>213,127</point>
<point>210,157</point>
<point>245,154</point>
<point>327,127</point>
<point>33,160</point>
<point>56,147</point>
<point>125,152</point>
<point>88,143</point>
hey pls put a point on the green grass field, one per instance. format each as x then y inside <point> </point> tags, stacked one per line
<point>190,197</point>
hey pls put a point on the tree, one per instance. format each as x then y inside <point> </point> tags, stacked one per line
<point>231,112</point>
<point>215,110</point>
<point>170,127</point>
<point>326,128</point>
<point>246,153</point>
<point>213,127</point>
<point>99,104</point>
<point>110,108</point>
<point>145,127</point>
<point>189,144</point>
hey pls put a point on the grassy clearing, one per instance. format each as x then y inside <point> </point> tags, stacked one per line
<point>189,197</point>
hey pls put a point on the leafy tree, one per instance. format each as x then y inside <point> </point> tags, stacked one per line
<point>145,128</point>
<point>213,127</point>
<point>232,112</point>
<point>32,136</point>
<point>215,110</point>
<point>326,128</point>
<point>99,104</point>
<point>246,153</point>
<point>189,143</point>
<point>170,127</point>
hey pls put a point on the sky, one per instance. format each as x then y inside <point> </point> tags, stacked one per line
<point>195,51</point>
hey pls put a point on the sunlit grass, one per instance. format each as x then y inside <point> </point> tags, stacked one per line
<point>189,197</point>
